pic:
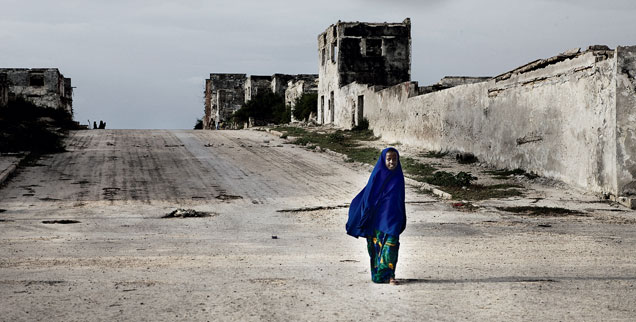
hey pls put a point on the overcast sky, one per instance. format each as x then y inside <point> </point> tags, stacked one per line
<point>142,63</point>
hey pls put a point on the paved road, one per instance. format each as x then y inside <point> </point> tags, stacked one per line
<point>122,261</point>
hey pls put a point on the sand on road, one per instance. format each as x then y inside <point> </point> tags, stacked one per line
<point>82,239</point>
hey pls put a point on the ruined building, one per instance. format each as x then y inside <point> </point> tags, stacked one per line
<point>226,93</point>
<point>303,84</point>
<point>365,53</point>
<point>45,87</point>
<point>568,117</point>
<point>255,84</point>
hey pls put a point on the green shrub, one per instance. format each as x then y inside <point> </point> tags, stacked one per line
<point>336,137</point>
<point>265,107</point>
<point>447,179</point>
<point>198,125</point>
<point>27,127</point>
<point>305,105</point>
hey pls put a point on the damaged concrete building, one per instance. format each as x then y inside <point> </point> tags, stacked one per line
<point>364,53</point>
<point>226,93</point>
<point>568,117</point>
<point>45,87</point>
<point>297,87</point>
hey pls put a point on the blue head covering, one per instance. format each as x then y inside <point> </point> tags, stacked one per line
<point>380,205</point>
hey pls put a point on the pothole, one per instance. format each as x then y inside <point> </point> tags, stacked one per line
<point>307,209</point>
<point>225,197</point>
<point>61,221</point>
<point>542,211</point>
<point>188,213</point>
<point>49,199</point>
<point>50,283</point>
<point>110,193</point>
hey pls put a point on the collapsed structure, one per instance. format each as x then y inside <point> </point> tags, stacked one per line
<point>226,93</point>
<point>568,117</point>
<point>45,87</point>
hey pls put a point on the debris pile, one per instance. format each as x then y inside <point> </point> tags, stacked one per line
<point>186,213</point>
<point>62,222</point>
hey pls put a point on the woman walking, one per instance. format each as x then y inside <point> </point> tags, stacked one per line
<point>378,214</point>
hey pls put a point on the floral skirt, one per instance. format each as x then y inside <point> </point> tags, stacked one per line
<point>383,250</point>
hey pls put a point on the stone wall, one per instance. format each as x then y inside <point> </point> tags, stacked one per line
<point>626,119</point>
<point>45,87</point>
<point>256,84</point>
<point>569,117</point>
<point>297,87</point>
<point>224,94</point>
<point>280,82</point>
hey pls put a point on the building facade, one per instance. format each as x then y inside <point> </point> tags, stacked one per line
<point>226,93</point>
<point>365,53</point>
<point>45,87</point>
<point>307,84</point>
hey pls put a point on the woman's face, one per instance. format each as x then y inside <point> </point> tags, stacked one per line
<point>391,160</point>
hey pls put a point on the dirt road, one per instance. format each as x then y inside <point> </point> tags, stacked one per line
<point>117,259</point>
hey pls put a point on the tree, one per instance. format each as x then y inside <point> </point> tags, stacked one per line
<point>265,107</point>
<point>305,105</point>
<point>198,125</point>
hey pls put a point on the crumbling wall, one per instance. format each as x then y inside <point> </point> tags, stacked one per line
<point>561,117</point>
<point>626,119</point>
<point>365,53</point>
<point>224,94</point>
<point>67,98</point>
<point>280,82</point>
<point>451,81</point>
<point>256,84</point>
<point>328,73</point>
<point>303,84</point>
<point>207,121</point>
<point>45,87</point>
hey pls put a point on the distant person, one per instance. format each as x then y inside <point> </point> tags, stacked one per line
<point>378,214</point>
<point>94,125</point>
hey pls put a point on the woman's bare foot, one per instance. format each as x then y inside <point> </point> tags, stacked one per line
<point>393,281</point>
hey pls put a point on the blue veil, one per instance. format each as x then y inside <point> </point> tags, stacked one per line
<point>380,205</point>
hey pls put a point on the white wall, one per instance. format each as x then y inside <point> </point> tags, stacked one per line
<point>559,121</point>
